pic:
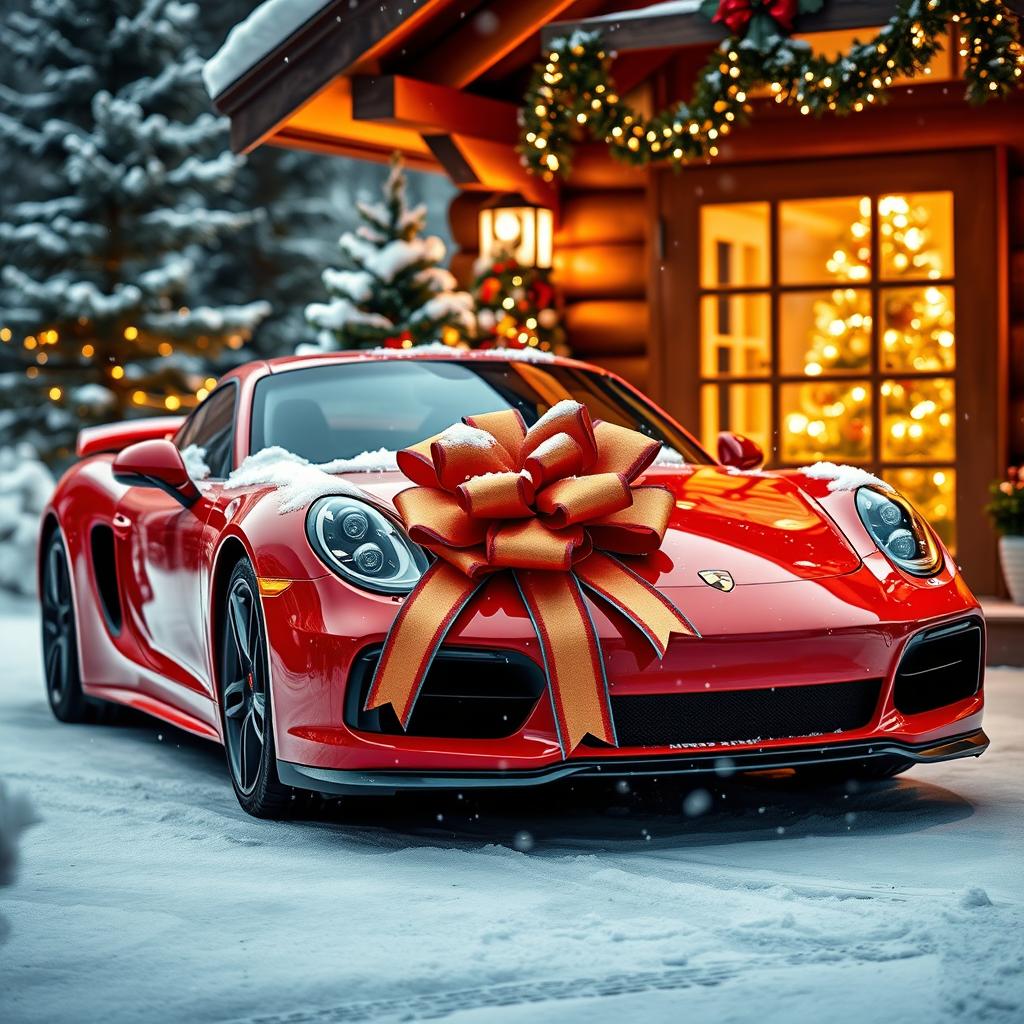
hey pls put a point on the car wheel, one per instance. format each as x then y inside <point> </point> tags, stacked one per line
<point>246,712</point>
<point>60,636</point>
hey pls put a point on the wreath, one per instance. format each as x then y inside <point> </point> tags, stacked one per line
<point>572,96</point>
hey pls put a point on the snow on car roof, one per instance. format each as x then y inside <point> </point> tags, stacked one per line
<point>432,350</point>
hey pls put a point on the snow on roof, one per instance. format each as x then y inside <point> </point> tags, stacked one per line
<point>654,11</point>
<point>251,40</point>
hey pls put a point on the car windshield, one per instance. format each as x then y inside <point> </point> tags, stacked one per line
<point>337,412</point>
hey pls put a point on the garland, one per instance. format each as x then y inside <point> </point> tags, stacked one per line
<point>572,95</point>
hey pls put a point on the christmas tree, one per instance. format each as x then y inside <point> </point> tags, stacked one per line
<point>123,183</point>
<point>834,417</point>
<point>26,486</point>
<point>516,307</point>
<point>390,289</point>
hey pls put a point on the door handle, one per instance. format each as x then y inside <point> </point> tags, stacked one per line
<point>121,522</point>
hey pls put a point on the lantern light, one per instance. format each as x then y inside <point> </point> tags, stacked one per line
<point>510,224</point>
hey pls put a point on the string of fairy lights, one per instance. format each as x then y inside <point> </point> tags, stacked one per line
<point>572,94</point>
<point>76,358</point>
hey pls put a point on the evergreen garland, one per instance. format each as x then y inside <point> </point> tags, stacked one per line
<point>572,95</point>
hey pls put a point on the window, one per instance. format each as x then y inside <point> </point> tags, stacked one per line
<point>335,412</point>
<point>212,428</point>
<point>828,332</point>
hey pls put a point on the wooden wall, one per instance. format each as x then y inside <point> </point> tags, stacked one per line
<point>600,269</point>
<point>1016,239</point>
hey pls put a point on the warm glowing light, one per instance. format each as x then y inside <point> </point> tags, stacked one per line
<point>172,402</point>
<point>511,225</point>
<point>55,394</point>
<point>131,333</point>
<point>88,351</point>
<point>117,372</point>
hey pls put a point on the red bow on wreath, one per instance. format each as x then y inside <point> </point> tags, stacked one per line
<point>554,506</point>
<point>736,14</point>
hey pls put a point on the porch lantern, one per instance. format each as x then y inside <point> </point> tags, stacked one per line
<point>511,224</point>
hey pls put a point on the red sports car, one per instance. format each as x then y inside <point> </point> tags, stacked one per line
<point>237,573</point>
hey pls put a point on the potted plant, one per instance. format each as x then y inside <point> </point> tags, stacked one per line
<point>1007,512</point>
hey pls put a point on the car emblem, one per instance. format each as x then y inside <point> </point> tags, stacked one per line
<point>720,579</point>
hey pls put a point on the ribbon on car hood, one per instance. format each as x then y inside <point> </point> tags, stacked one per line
<point>555,506</point>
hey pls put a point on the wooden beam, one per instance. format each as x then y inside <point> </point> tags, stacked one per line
<point>485,39</point>
<point>326,124</point>
<point>925,116</point>
<point>432,109</point>
<point>637,32</point>
<point>480,164</point>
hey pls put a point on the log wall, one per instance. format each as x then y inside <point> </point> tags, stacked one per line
<point>600,268</point>
<point>1016,237</point>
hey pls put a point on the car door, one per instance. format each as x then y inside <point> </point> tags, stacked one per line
<point>165,549</point>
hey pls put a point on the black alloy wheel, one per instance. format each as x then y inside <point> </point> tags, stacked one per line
<point>60,636</point>
<point>245,699</point>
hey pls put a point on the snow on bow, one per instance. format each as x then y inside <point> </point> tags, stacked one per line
<point>554,505</point>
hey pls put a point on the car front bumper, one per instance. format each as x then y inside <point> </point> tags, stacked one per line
<point>341,782</point>
<point>759,640</point>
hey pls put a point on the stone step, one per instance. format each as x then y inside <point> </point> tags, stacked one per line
<point>1005,631</point>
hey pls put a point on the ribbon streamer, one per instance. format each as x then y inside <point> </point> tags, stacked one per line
<point>553,505</point>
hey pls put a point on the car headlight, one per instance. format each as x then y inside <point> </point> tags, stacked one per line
<point>363,546</point>
<point>899,531</point>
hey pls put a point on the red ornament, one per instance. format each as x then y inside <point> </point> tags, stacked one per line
<point>736,14</point>
<point>489,290</point>
<point>402,340</point>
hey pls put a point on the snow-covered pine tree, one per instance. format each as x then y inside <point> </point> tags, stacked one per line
<point>26,486</point>
<point>281,256</point>
<point>123,180</point>
<point>390,289</point>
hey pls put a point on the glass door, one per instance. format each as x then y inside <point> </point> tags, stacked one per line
<point>850,309</point>
<point>828,331</point>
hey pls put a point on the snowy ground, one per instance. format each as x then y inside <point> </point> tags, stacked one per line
<point>146,893</point>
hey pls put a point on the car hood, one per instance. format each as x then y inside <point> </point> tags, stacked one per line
<point>759,527</point>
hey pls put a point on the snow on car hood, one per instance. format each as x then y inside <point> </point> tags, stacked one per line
<point>760,527</point>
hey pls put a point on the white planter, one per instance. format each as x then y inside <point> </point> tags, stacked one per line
<point>1011,554</point>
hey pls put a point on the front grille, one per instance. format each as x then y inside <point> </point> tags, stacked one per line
<point>468,694</point>
<point>729,716</point>
<point>939,667</point>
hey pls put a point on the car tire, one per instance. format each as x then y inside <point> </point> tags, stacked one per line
<point>61,669</point>
<point>245,703</point>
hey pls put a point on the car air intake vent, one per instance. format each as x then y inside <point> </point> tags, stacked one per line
<point>731,716</point>
<point>468,694</point>
<point>940,667</point>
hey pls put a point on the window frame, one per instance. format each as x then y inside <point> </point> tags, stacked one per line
<point>181,445</point>
<point>977,179</point>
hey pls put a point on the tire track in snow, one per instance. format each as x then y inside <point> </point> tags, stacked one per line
<point>433,1006</point>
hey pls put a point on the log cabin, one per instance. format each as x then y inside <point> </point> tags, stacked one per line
<point>843,288</point>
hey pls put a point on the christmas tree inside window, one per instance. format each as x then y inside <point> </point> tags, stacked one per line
<point>828,332</point>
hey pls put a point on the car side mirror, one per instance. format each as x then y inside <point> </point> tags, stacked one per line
<point>156,463</point>
<point>738,451</point>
